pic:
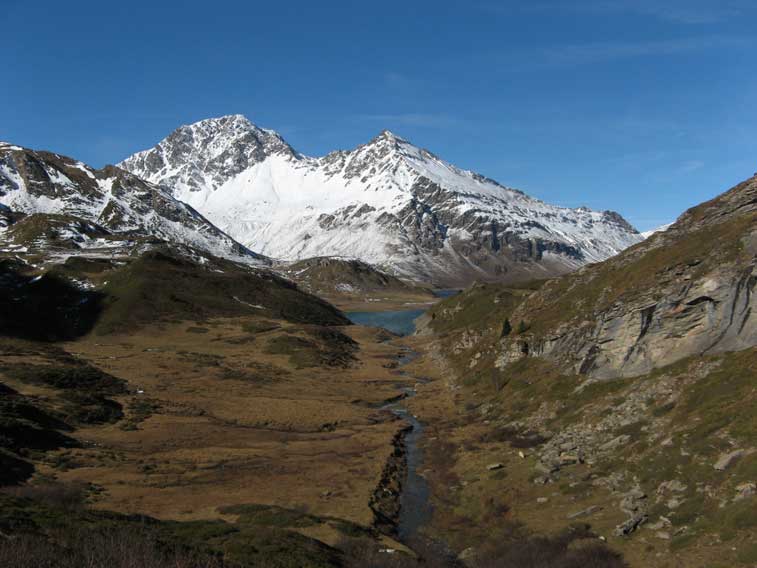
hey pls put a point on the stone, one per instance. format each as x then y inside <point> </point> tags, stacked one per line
<point>494,466</point>
<point>672,486</point>
<point>469,552</point>
<point>744,490</point>
<point>727,460</point>
<point>630,525</point>
<point>661,523</point>
<point>542,500</point>
<point>569,459</point>
<point>541,467</point>
<point>615,443</point>
<point>636,493</point>
<point>585,513</point>
<point>674,503</point>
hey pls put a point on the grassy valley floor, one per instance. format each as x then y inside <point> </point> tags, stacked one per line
<point>228,417</point>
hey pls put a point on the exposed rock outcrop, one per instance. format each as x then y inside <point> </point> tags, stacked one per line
<point>687,291</point>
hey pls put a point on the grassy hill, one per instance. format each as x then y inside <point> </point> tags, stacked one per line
<point>164,282</point>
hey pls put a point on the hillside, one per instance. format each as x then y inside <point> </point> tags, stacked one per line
<point>54,199</point>
<point>161,282</point>
<point>352,282</point>
<point>685,291</point>
<point>387,203</point>
<point>157,408</point>
<point>621,395</point>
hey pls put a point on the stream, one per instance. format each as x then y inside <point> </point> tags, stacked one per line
<point>415,506</point>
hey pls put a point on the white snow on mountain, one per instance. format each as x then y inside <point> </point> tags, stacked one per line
<point>34,182</point>
<point>660,229</point>
<point>387,202</point>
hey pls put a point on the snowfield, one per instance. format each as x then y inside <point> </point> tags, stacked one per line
<point>387,202</point>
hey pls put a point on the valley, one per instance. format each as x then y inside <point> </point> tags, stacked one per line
<point>218,407</point>
<point>220,415</point>
<point>426,284</point>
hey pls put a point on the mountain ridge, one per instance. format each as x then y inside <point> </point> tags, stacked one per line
<point>38,184</point>
<point>387,202</point>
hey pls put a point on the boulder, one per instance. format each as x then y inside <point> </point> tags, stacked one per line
<point>727,460</point>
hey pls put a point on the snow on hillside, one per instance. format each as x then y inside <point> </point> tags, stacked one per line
<point>46,183</point>
<point>387,202</point>
<point>661,228</point>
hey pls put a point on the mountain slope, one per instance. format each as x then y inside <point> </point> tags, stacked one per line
<point>686,291</point>
<point>59,193</point>
<point>329,276</point>
<point>387,202</point>
<point>622,395</point>
<point>162,282</point>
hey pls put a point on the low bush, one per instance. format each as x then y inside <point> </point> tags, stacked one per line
<point>121,548</point>
<point>515,437</point>
<point>575,547</point>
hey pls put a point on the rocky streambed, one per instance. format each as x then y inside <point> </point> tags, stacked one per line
<point>401,502</point>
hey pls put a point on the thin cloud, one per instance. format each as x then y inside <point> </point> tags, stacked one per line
<point>682,12</point>
<point>691,166</point>
<point>591,53</point>
<point>414,119</point>
<point>690,12</point>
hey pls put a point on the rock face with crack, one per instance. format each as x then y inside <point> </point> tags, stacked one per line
<point>686,291</point>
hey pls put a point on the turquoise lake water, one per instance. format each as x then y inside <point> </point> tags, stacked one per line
<point>400,322</point>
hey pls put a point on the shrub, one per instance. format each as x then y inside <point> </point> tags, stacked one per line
<point>575,547</point>
<point>120,548</point>
<point>65,496</point>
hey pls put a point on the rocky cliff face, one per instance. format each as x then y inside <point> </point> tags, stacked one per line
<point>686,291</point>
<point>386,202</point>
<point>46,197</point>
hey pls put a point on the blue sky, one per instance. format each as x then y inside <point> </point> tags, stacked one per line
<point>642,106</point>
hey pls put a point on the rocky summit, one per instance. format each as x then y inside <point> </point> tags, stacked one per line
<point>387,202</point>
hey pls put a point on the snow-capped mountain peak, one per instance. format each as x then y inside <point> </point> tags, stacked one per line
<point>387,202</point>
<point>116,201</point>
<point>198,156</point>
